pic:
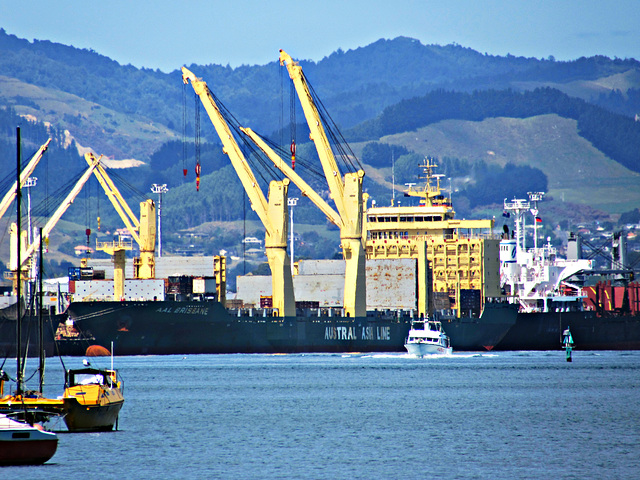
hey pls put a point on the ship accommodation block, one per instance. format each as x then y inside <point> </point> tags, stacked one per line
<point>462,254</point>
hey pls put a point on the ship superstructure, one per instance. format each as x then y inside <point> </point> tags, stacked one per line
<point>462,254</point>
<point>537,278</point>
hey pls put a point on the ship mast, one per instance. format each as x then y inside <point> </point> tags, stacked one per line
<point>518,206</point>
<point>19,375</point>
<point>535,197</point>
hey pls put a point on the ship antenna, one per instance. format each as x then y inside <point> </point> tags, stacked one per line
<point>393,179</point>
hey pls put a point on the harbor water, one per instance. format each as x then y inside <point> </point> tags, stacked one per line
<point>499,415</point>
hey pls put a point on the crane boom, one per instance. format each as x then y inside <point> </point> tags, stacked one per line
<point>28,170</point>
<point>347,195</point>
<point>46,230</point>
<point>318,134</point>
<point>116,199</point>
<point>273,213</point>
<point>230,147</point>
<point>143,231</point>
<point>304,187</point>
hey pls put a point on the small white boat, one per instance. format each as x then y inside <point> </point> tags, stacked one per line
<point>426,337</point>
<point>23,444</point>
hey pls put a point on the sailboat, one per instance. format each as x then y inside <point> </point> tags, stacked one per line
<point>30,406</point>
<point>24,444</point>
<point>92,399</point>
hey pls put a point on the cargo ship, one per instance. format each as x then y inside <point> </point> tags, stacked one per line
<point>421,261</point>
<point>191,321</point>
<point>190,327</point>
<point>554,293</point>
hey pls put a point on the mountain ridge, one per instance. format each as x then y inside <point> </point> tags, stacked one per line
<point>91,101</point>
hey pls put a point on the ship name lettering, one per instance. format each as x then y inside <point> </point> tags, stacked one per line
<point>340,333</point>
<point>192,310</point>
<point>384,333</point>
<point>330,333</point>
<point>367,333</point>
<point>164,310</point>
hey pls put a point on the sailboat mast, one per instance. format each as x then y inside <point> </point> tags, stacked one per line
<point>19,376</point>
<point>41,321</point>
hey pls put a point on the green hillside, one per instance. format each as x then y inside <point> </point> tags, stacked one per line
<point>565,125</point>
<point>577,172</point>
<point>94,126</point>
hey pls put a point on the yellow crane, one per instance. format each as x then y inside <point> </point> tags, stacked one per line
<point>291,174</point>
<point>346,193</point>
<point>27,250</point>
<point>28,170</point>
<point>273,213</point>
<point>143,231</point>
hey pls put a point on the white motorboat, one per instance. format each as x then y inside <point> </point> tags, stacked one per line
<point>23,444</point>
<point>426,337</point>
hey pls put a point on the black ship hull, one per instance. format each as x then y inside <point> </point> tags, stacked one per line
<point>483,333</point>
<point>164,328</point>
<point>543,331</point>
<point>30,333</point>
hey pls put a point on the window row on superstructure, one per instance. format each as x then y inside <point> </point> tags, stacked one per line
<point>407,218</point>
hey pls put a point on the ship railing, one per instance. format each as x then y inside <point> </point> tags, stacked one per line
<point>122,243</point>
<point>95,298</point>
<point>253,312</point>
<point>455,236</point>
<point>323,312</point>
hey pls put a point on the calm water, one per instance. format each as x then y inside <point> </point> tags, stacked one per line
<point>504,415</point>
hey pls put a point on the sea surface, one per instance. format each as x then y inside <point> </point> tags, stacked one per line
<point>506,415</point>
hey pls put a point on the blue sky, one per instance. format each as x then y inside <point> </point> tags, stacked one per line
<point>167,34</point>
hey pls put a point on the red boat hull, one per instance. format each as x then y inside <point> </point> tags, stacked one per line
<point>27,452</point>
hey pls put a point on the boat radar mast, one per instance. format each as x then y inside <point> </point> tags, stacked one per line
<point>430,195</point>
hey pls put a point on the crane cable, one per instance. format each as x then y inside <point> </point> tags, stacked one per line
<point>197,140</point>
<point>184,132</point>
<point>292,124</point>
<point>334,135</point>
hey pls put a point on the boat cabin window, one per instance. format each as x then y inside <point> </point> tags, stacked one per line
<point>88,379</point>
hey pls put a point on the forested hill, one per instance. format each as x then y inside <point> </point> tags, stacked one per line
<point>104,104</point>
<point>615,135</point>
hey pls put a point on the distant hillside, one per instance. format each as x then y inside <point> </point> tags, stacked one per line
<point>615,135</point>
<point>567,126</point>
<point>576,171</point>
<point>106,105</point>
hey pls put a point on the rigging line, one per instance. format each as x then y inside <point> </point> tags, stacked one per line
<point>98,202</point>
<point>46,186</point>
<point>58,196</point>
<point>253,155</point>
<point>308,165</point>
<point>87,190</point>
<point>599,251</point>
<point>10,178</point>
<point>197,140</point>
<point>126,185</point>
<point>635,262</point>
<point>184,131</point>
<point>197,128</point>
<point>595,251</point>
<point>339,140</point>
<point>281,73</point>
<point>292,122</point>
<point>7,182</point>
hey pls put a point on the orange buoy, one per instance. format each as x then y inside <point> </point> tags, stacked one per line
<point>97,351</point>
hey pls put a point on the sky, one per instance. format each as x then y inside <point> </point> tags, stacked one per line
<point>166,34</point>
